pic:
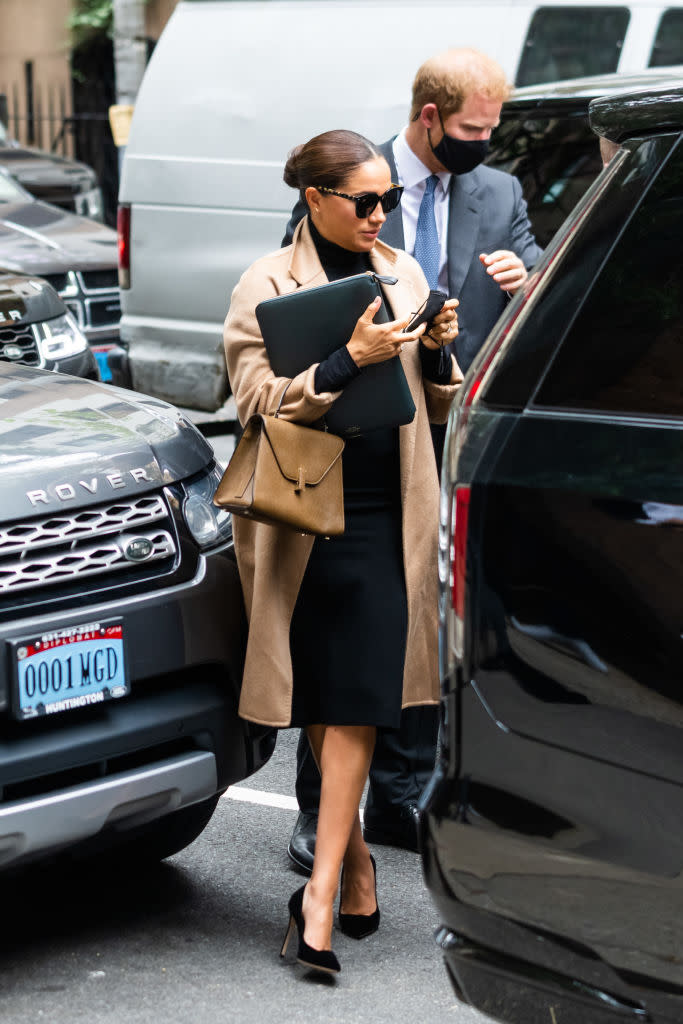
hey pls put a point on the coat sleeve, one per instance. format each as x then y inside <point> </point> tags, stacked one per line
<point>254,385</point>
<point>440,396</point>
<point>522,239</point>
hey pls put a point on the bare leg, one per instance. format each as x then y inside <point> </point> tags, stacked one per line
<point>343,753</point>
<point>358,896</point>
<point>358,893</point>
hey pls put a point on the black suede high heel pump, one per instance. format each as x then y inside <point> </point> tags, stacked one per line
<point>317,959</point>
<point>359,926</point>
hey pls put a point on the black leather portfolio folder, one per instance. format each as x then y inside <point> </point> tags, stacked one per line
<point>308,325</point>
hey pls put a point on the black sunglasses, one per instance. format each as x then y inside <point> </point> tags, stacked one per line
<point>367,201</point>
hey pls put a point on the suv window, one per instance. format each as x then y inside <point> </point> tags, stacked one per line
<point>564,43</point>
<point>624,351</point>
<point>555,158</point>
<point>668,45</point>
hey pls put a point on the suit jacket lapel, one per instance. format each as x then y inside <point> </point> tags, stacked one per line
<point>464,212</point>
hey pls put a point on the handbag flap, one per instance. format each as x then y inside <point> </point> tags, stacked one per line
<point>302,453</point>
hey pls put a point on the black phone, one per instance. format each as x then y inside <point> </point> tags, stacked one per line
<point>432,305</point>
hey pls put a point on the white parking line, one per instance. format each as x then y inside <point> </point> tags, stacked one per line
<point>260,796</point>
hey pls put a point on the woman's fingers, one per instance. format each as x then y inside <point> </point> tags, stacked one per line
<point>447,312</point>
<point>412,335</point>
<point>371,312</point>
<point>373,343</point>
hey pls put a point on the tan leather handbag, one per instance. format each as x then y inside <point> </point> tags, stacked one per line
<point>285,474</point>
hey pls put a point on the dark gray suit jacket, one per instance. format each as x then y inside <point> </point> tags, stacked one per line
<point>486,212</point>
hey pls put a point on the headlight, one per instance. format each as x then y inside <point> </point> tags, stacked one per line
<point>60,337</point>
<point>89,204</point>
<point>208,524</point>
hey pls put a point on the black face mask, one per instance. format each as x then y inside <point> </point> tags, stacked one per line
<point>458,156</point>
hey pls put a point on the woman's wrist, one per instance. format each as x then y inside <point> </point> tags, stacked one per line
<point>429,342</point>
<point>354,354</point>
<point>436,364</point>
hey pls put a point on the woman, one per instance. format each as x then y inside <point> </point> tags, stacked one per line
<point>342,632</point>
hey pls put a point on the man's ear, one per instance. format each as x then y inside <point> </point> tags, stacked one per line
<point>312,197</point>
<point>429,115</point>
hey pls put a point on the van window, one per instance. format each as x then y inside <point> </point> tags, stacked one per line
<point>624,351</point>
<point>563,42</point>
<point>668,44</point>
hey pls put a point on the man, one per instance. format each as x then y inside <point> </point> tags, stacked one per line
<point>467,225</point>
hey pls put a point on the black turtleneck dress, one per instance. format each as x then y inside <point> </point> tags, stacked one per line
<point>349,627</point>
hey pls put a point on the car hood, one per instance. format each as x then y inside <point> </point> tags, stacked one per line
<point>27,300</point>
<point>37,238</point>
<point>67,443</point>
<point>36,169</point>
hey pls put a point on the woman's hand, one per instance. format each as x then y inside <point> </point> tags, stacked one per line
<point>375,343</point>
<point>444,327</point>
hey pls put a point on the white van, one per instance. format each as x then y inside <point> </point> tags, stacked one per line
<point>233,85</point>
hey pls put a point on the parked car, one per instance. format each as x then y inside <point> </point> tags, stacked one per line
<point>552,832</point>
<point>121,623</point>
<point>58,180</point>
<point>545,139</point>
<point>36,329</point>
<point>78,257</point>
<point>201,191</point>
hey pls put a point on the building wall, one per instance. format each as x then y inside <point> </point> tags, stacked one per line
<point>34,32</point>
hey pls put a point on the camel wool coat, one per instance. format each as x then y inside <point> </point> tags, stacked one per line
<point>272,559</point>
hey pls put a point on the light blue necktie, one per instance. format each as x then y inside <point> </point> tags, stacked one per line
<point>427,249</point>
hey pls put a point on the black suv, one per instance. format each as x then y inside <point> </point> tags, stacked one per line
<point>544,138</point>
<point>122,626</point>
<point>552,829</point>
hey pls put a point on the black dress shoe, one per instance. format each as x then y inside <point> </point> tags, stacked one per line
<point>395,826</point>
<point>301,849</point>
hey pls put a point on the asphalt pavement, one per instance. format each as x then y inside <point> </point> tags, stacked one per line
<point>196,939</point>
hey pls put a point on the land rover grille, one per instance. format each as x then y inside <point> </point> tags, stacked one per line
<point>63,548</point>
<point>18,345</point>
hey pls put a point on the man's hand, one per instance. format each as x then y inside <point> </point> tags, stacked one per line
<point>506,269</point>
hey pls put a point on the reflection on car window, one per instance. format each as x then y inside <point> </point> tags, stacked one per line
<point>565,43</point>
<point>668,45</point>
<point>555,159</point>
<point>624,352</point>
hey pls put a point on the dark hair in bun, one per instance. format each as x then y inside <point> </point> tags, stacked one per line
<point>328,159</point>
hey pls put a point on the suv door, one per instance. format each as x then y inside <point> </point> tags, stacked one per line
<point>552,831</point>
<point>582,525</point>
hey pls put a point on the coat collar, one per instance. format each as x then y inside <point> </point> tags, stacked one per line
<point>305,266</point>
<point>304,262</point>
